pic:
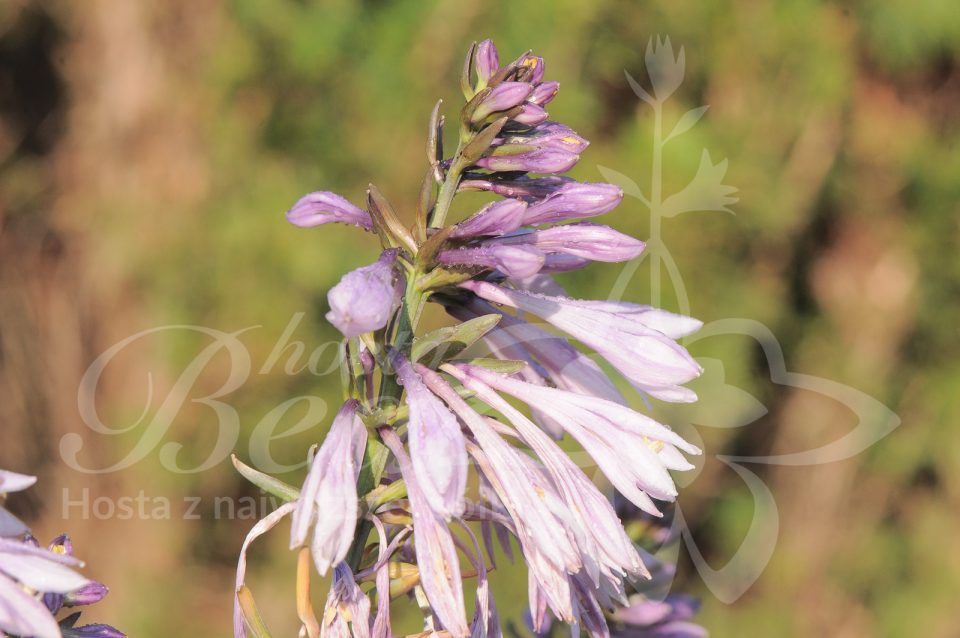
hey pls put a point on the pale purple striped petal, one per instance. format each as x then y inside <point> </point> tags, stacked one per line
<point>22,614</point>
<point>328,500</point>
<point>437,448</point>
<point>526,496</point>
<point>437,558</point>
<point>603,542</point>
<point>650,360</point>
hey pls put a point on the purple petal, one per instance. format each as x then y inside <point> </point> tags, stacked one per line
<point>437,448</point>
<point>497,218</point>
<point>544,160</point>
<point>574,200</point>
<point>315,209</point>
<point>595,242</point>
<point>23,615</point>
<point>365,298</point>
<point>531,114</point>
<point>436,555</point>
<point>502,97</point>
<point>544,92</point>
<point>513,261</point>
<point>329,495</point>
<point>487,60</point>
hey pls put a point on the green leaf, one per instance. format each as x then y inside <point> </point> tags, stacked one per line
<point>454,339</point>
<point>265,482</point>
<point>374,461</point>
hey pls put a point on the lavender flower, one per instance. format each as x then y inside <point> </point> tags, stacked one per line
<point>538,160</point>
<point>502,97</point>
<point>407,415</point>
<point>365,298</point>
<point>498,218</point>
<point>513,261</point>
<point>574,200</point>
<point>437,557</point>
<point>593,242</point>
<point>328,500</point>
<point>437,447</point>
<point>26,568</point>
<point>315,209</point>
<point>488,62</point>
<point>649,359</point>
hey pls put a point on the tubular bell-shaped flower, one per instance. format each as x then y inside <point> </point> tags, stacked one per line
<point>437,450</point>
<point>315,209</point>
<point>633,450</point>
<point>328,500</point>
<point>436,554</point>
<point>649,359</point>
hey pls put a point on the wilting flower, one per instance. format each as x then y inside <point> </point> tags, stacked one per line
<point>315,209</point>
<point>347,611</point>
<point>365,298</point>
<point>328,500</point>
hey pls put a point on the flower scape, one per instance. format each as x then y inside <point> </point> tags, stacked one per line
<point>429,450</point>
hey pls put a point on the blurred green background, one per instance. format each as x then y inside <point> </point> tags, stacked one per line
<point>149,150</point>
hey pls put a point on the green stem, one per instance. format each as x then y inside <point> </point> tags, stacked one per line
<point>448,191</point>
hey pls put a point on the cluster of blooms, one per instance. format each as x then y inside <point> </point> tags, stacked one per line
<point>36,584</point>
<point>420,414</point>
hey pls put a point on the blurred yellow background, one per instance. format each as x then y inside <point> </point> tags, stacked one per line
<point>148,151</point>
